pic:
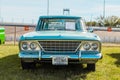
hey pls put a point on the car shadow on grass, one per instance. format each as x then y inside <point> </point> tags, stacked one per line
<point>71,71</point>
<point>116,56</point>
<point>11,69</point>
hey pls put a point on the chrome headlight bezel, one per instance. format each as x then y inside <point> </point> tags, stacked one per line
<point>93,46</point>
<point>24,46</point>
<point>86,46</point>
<point>31,45</point>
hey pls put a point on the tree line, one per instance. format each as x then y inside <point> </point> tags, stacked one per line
<point>110,21</point>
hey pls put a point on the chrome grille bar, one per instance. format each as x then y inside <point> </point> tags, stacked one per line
<point>60,46</point>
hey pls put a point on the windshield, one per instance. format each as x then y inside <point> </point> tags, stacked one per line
<point>60,24</point>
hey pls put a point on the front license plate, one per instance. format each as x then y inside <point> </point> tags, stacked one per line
<point>60,60</point>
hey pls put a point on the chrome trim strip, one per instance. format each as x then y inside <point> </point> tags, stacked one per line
<point>40,55</point>
<point>78,47</point>
<point>79,56</point>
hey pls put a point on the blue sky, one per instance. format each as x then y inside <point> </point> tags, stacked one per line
<point>28,11</point>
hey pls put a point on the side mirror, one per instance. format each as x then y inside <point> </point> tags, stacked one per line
<point>90,30</point>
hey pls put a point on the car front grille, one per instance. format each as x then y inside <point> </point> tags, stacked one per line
<point>60,46</point>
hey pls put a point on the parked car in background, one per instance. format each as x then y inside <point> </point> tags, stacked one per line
<point>60,40</point>
<point>2,35</point>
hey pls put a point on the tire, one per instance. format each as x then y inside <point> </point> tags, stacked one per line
<point>91,67</point>
<point>27,65</point>
<point>3,42</point>
<point>0,41</point>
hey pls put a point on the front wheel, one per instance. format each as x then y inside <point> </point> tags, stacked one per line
<point>4,42</point>
<point>28,65</point>
<point>91,66</point>
<point>0,41</point>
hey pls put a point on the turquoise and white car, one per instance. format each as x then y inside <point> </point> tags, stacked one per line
<point>60,40</point>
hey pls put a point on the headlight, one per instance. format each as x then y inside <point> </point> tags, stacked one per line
<point>25,45</point>
<point>90,45</point>
<point>94,46</point>
<point>86,46</point>
<point>29,45</point>
<point>33,45</point>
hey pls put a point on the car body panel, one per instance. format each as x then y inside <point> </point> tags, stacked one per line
<point>60,35</point>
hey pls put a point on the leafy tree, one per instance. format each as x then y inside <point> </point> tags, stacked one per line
<point>110,21</point>
<point>100,21</point>
<point>93,23</point>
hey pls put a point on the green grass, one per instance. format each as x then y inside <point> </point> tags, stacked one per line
<point>106,69</point>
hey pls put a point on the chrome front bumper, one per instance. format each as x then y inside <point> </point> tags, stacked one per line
<point>81,56</point>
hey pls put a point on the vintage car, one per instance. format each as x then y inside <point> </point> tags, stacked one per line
<point>59,40</point>
<point>2,35</point>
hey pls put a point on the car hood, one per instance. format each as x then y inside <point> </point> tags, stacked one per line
<point>59,35</point>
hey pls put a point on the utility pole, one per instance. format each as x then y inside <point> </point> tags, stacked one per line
<point>0,12</point>
<point>91,20</point>
<point>47,7</point>
<point>104,12</point>
<point>0,9</point>
<point>104,9</point>
<point>14,35</point>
